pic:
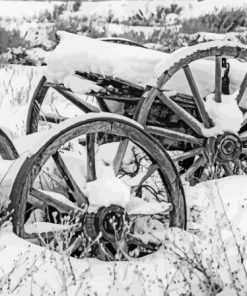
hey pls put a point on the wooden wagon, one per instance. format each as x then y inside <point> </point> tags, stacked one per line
<point>170,133</point>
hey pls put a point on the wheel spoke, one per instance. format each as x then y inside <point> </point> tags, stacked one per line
<point>81,104</point>
<point>91,172</point>
<point>183,114</point>
<point>218,79</point>
<point>46,227</point>
<point>194,167</point>
<point>244,125</point>
<point>227,168</point>
<point>188,154</point>
<point>56,200</point>
<point>197,98</point>
<point>173,135</point>
<point>242,89</point>
<point>74,188</point>
<point>243,137</point>
<point>120,155</point>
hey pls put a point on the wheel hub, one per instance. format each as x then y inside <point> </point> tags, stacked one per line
<point>109,221</point>
<point>226,147</point>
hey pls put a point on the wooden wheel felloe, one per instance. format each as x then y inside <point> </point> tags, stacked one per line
<point>28,192</point>
<point>7,149</point>
<point>207,154</point>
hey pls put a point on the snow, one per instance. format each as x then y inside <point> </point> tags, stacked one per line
<point>17,84</point>
<point>91,55</point>
<point>45,227</point>
<point>107,189</point>
<point>21,9</point>
<point>135,64</point>
<point>183,52</point>
<point>226,115</point>
<point>79,85</point>
<point>122,10</point>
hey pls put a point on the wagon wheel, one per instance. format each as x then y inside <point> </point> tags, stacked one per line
<point>206,156</point>
<point>43,107</point>
<point>29,191</point>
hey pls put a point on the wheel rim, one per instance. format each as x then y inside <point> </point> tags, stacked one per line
<point>202,151</point>
<point>33,167</point>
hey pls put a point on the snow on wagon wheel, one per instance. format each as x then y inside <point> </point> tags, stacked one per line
<point>208,132</point>
<point>67,191</point>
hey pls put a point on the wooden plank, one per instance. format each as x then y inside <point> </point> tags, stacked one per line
<point>197,97</point>
<point>218,78</point>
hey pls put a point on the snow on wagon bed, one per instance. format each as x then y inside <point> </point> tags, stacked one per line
<point>135,64</point>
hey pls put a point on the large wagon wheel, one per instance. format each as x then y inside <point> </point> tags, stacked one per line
<point>27,193</point>
<point>205,156</point>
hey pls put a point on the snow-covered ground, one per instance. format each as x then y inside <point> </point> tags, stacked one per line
<point>210,254</point>
<point>25,9</point>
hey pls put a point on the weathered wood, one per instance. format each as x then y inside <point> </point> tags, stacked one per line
<point>102,124</point>
<point>117,162</point>
<point>193,168</point>
<point>74,188</point>
<point>7,149</point>
<point>218,78</point>
<point>173,135</point>
<point>227,169</point>
<point>91,171</point>
<point>242,89</point>
<point>243,137</point>
<point>35,106</point>
<point>50,201</point>
<point>192,122</point>
<point>120,99</point>
<point>197,98</point>
<point>149,173</point>
<point>122,41</point>
<point>78,102</point>
<point>189,154</point>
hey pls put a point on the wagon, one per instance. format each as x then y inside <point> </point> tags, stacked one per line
<point>159,131</point>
